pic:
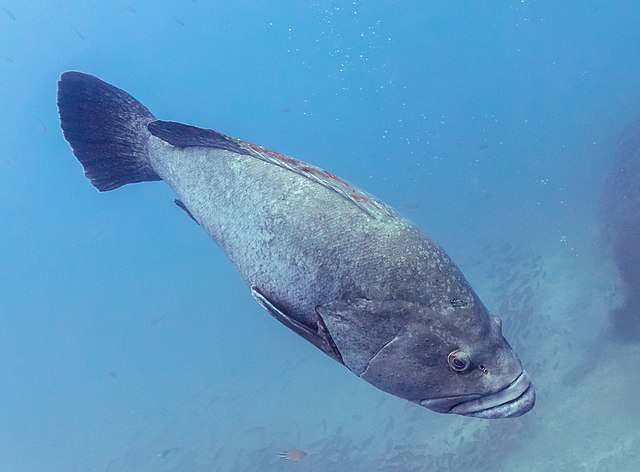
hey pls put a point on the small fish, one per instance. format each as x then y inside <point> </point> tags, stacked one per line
<point>293,455</point>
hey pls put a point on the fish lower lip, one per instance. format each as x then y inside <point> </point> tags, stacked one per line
<point>514,400</point>
<point>511,409</point>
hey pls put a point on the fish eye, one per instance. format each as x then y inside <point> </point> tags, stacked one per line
<point>497,320</point>
<point>459,360</point>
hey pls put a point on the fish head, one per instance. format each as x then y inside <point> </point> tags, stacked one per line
<point>454,360</point>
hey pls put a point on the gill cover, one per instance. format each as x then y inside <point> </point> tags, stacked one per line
<point>394,344</point>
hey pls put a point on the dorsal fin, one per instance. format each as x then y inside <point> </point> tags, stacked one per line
<point>181,135</point>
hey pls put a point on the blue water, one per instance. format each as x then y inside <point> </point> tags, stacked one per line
<point>128,342</point>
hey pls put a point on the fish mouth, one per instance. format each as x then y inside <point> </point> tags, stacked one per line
<point>514,400</point>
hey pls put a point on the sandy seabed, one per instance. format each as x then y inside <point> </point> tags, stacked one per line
<point>555,307</point>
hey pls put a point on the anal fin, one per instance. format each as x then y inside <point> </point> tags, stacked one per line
<point>181,204</point>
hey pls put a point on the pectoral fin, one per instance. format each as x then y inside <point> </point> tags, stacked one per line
<point>319,336</point>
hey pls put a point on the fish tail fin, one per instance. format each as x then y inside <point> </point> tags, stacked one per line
<point>107,130</point>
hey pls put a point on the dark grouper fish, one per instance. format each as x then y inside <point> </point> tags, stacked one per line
<point>330,262</point>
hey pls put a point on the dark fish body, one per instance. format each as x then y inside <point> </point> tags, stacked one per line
<point>329,261</point>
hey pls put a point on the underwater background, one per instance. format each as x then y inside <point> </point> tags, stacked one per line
<point>128,342</point>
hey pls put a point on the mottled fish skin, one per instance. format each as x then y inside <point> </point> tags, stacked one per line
<point>301,243</point>
<point>329,261</point>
